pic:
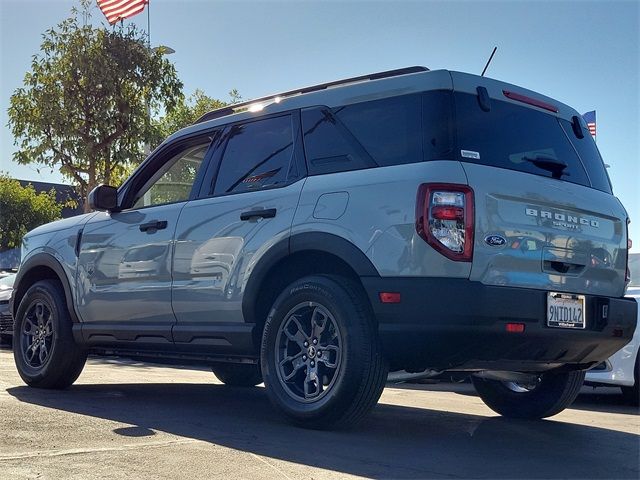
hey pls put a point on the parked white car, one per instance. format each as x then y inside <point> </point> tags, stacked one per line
<point>6,320</point>
<point>623,367</point>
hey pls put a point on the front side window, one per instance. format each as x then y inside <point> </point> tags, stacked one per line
<point>174,180</point>
<point>257,155</point>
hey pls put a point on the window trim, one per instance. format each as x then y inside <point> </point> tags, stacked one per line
<point>146,170</point>
<point>210,177</point>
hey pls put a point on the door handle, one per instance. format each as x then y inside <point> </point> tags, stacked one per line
<point>262,212</point>
<point>153,226</point>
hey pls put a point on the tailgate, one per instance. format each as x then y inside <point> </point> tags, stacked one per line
<point>558,236</point>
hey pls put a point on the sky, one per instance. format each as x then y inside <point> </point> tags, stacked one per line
<point>583,53</point>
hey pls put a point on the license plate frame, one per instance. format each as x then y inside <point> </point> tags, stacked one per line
<point>566,310</point>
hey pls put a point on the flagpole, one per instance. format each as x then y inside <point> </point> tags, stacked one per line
<point>149,24</point>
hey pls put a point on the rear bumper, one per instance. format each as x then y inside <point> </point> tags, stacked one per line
<point>445,323</point>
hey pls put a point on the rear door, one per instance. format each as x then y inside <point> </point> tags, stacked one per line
<point>562,228</point>
<point>248,200</point>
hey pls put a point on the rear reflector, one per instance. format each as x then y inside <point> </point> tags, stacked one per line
<point>515,327</point>
<point>447,213</point>
<point>530,101</point>
<point>389,297</point>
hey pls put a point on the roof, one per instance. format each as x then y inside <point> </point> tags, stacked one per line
<point>276,98</point>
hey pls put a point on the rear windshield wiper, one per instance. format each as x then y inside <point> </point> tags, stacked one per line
<point>550,164</point>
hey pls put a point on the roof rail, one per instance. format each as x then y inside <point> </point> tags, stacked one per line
<point>230,109</point>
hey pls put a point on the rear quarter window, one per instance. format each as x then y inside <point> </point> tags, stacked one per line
<point>379,133</point>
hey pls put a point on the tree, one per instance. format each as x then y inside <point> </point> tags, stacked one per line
<point>84,106</point>
<point>22,209</point>
<point>189,110</point>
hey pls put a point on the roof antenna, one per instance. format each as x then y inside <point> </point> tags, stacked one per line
<point>489,61</point>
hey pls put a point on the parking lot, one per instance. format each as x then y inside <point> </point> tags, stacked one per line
<point>129,420</point>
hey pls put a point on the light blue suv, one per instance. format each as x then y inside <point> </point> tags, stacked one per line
<point>317,238</point>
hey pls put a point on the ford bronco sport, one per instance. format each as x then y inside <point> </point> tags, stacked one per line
<point>312,240</point>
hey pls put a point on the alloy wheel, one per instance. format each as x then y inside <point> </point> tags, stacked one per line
<point>309,352</point>
<point>36,335</point>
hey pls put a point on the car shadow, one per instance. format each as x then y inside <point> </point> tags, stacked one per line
<point>600,399</point>
<point>604,399</point>
<point>394,441</point>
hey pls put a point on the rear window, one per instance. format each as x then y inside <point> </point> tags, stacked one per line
<point>257,155</point>
<point>510,136</point>
<point>590,156</point>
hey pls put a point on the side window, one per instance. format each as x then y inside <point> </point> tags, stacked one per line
<point>391,131</point>
<point>257,155</point>
<point>328,145</point>
<point>174,180</point>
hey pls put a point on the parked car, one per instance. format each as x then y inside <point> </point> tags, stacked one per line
<point>361,226</point>
<point>6,320</point>
<point>623,367</point>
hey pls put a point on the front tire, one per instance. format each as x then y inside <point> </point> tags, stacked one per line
<point>238,374</point>
<point>45,353</point>
<point>320,355</point>
<point>553,393</point>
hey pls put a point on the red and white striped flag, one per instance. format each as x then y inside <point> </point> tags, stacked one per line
<point>116,10</point>
<point>590,118</point>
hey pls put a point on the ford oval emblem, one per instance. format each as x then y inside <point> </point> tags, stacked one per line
<point>495,240</point>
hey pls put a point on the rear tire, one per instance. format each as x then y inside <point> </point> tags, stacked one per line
<point>320,356</point>
<point>45,353</point>
<point>553,393</point>
<point>238,374</point>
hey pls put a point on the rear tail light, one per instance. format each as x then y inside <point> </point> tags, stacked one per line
<point>444,219</point>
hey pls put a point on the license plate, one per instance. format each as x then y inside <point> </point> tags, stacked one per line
<point>565,310</point>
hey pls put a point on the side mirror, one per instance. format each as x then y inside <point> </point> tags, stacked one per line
<point>103,197</point>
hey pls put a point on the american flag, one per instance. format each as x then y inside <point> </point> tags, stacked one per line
<point>590,118</point>
<point>116,10</point>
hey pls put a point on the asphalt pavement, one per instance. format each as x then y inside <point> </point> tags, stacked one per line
<point>127,420</point>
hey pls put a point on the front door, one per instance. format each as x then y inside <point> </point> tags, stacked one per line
<point>124,264</point>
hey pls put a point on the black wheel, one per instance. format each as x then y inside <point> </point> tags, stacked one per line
<point>632,394</point>
<point>320,356</point>
<point>549,395</point>
<point>45,353</point>
<point>238,374</point>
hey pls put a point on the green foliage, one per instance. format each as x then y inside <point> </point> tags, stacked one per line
<point>22,209</point>
<point>84,106</point>
<point>189,110</point>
